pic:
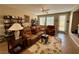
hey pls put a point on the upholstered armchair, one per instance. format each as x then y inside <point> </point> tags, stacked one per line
<point>50,30</point>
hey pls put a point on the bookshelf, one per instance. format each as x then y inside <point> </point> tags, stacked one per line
<point>14,46</point>
<point>9,20</point>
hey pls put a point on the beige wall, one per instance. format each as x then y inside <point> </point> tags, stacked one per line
<point>1,26</point>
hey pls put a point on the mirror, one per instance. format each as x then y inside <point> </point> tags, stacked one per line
<point>75,23</point>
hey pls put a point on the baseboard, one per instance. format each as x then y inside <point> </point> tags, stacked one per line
<point>75,39</point>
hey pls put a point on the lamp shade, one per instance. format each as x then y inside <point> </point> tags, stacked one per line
<point>78,25</point>
<point>15,27</point>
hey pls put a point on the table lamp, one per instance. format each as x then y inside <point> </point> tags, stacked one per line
<point>16,27</point>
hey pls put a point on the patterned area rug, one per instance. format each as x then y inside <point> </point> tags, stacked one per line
<point>52,47</point>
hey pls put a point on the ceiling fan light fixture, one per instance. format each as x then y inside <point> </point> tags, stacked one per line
<point>44,10</point>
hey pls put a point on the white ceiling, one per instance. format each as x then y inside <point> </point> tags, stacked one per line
<point>35,9</point>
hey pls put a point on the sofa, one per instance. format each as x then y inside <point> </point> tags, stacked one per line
<point>32,34</point>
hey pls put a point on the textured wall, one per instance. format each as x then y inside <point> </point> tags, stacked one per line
<point>1,26</point>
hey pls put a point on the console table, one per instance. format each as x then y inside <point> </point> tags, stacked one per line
<point>15,46</point>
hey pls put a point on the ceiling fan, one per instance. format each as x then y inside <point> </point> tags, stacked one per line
<point>44,10</point>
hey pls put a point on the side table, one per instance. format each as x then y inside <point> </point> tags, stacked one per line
<point>29,42</point>
<point>44,37</point>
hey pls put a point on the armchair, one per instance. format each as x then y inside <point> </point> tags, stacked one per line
<point>50,30</point>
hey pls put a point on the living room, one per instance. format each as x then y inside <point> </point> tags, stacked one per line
<point>38,29</point>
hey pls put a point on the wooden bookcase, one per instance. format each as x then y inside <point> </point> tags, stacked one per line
<point>14,46</point>
<point>7,23</point>
<point>10,20</point>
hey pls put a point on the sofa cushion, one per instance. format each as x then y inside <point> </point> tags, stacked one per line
<point>36,36</point>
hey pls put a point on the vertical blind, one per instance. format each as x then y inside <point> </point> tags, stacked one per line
<point>50,20</point>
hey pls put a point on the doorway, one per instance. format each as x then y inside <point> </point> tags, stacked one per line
<point>62,23</point>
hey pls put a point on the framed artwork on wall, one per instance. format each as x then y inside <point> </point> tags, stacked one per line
<point>27,18</point>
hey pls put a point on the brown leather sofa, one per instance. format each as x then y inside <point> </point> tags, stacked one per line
<point>32,35</point>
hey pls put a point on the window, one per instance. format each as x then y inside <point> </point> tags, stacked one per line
<point>50,20</point>
<point>42,20</point>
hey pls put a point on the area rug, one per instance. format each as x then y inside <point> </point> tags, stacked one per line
<point>52,47</point>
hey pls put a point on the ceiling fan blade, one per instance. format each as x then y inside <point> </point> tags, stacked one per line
<point>44,10</point>
<point>48,9</point>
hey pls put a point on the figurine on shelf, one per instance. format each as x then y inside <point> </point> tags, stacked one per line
<point>34,22</point>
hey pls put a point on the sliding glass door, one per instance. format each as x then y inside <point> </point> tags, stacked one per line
<point>62,23</point>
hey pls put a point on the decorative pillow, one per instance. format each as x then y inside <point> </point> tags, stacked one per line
<point>27,31</point>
